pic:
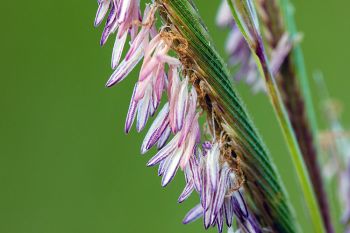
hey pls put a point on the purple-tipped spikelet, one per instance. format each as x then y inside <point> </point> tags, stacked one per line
<point>214,179</point>
<point>178,116</point>
<point>218,188</point>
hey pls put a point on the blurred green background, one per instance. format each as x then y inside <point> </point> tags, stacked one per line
<point>66,165</point>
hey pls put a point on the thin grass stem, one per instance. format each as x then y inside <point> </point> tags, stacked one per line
<point>249,30</point>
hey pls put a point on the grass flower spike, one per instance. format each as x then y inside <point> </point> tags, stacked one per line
<point>224,161</point>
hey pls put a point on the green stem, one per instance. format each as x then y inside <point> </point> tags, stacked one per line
<point>292,143</point>
<point>300,66</point>
<point>296,95</point>
<point>310,148</point>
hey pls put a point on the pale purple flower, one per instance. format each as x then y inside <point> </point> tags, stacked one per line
<point>179,151</point>
<point>123,15</point>
<point>178,116</point>
<point>220,201</point>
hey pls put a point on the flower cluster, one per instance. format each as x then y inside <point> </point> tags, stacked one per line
<point>178,115</point>
<point>205,170</point>
<point>219,192</point>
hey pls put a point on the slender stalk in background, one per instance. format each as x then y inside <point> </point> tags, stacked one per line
<point>288,66</point>
<point>277,21</point>
<point>246,19</point>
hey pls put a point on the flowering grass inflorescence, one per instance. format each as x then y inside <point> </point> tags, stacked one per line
<point>206,171</point>
<point>183,82</point>
<point>180,62</point>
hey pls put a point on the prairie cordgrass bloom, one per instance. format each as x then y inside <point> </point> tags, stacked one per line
<point>173,89</point>
<point>160,74</point>
<point>200,125</point>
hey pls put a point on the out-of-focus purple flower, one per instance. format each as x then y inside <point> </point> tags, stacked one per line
<point>335,144</point>
<point>240,55</point>
<point>238,50</point>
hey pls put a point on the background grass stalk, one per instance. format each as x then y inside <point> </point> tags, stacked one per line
<point>292,143</point>
<point>296,96</point>
<point>244,17</point>
<point>287,10</point>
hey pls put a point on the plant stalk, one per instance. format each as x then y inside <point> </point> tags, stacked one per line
<point>291,140</point>
<point>296,98</point>
<point>251,34</point>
